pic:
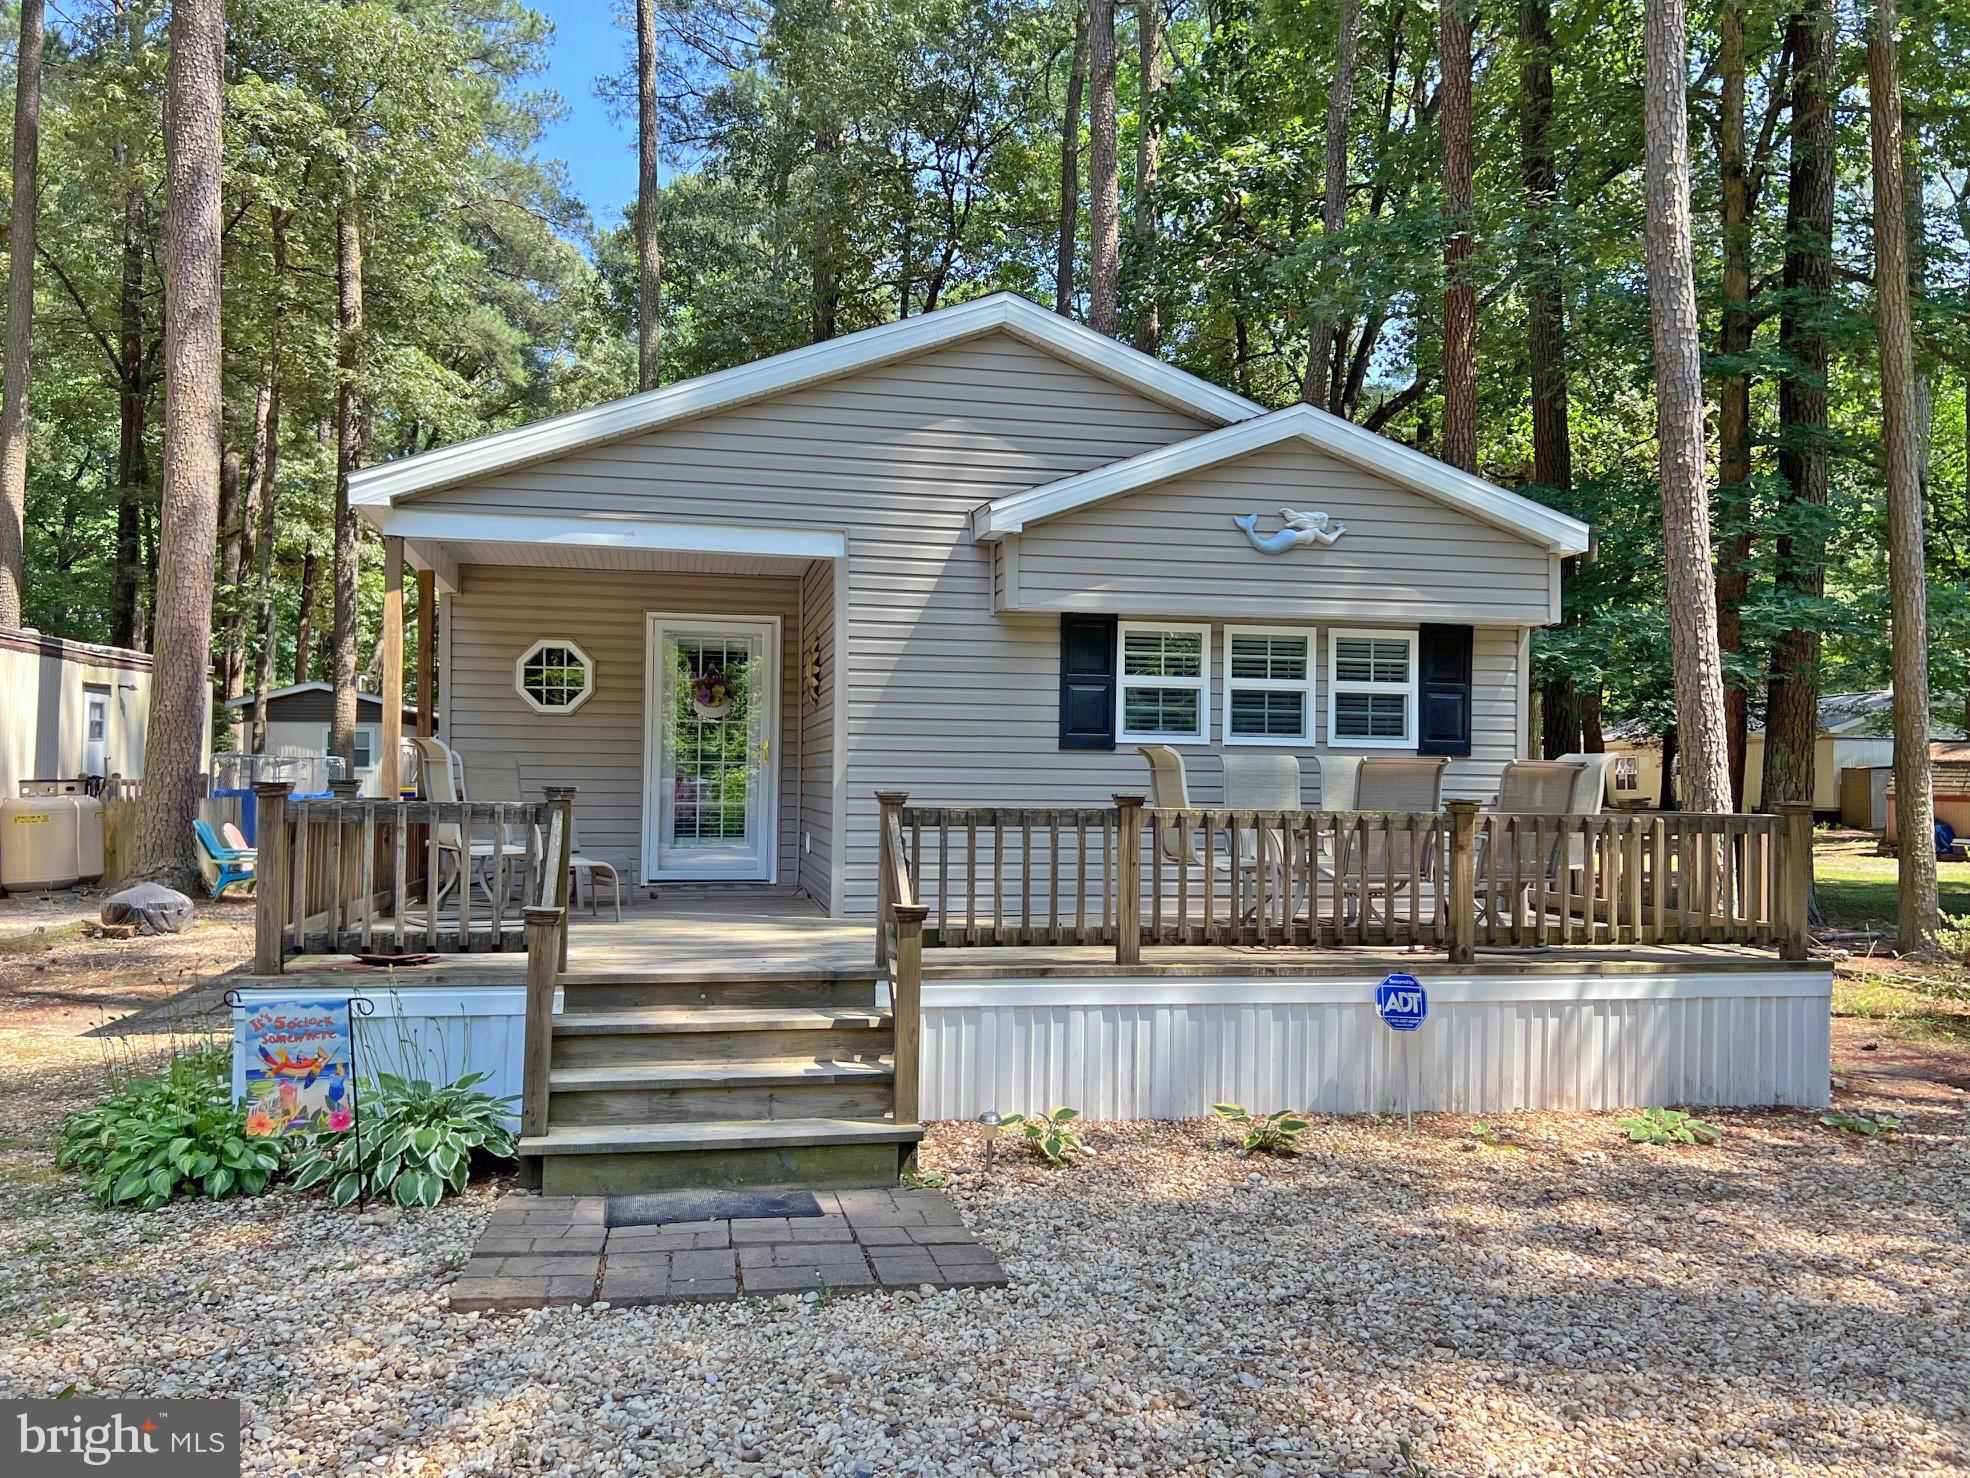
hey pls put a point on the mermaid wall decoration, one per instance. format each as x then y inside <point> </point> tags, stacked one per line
<point>1301,528</point>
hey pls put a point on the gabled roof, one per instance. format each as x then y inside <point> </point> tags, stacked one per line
<point>246,699</point>
<point>1343,439</point>
<point>389,482</point>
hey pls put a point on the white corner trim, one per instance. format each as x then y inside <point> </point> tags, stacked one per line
<point>501,451</point>
<point>574,529</point>
<point>425,555</point>
<point>1351,443</point>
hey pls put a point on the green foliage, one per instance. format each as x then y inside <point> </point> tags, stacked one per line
<point>1863,1124</point>
<point>1048,1134</point>
<point>1664,1126</point>
<point>1491,1136</point>
<point>416,1141</point>
<point>1276,1133</point>
<point>175,1134</point>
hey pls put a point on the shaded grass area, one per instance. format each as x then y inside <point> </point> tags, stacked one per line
<point>1917,1002</point>
<point>1916,1005</point>
<point>1857,889</point>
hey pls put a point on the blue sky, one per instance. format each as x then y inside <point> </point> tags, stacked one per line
<point>600,151</point>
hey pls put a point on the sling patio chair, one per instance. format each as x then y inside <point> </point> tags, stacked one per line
<point>1263,782</point>
<point>1374,865</point>
<point>1518,853</point>
<point>1169,791</point>
<point>441,771</point>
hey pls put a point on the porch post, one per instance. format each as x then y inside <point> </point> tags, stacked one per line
<point>562,799</point>
<point>389,770</point>
<point>427,652</point>
<point>890,805</point>
<point>1460,929</point>
<point>1795,880</point>
<point>270,886</point>
<point>1128,880</point>
<point>538,1046</point>
<point>906,1011</point>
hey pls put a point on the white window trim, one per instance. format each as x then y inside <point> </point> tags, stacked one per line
<point>1309,687</point>
<point>1335,687</point>
<point>520,675</point>
<point>1202,682</point>
<point>375,733</point>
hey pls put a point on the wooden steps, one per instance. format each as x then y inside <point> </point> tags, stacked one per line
<point>671,1080</point>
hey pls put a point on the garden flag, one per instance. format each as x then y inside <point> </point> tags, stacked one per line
<point>299,1061</point>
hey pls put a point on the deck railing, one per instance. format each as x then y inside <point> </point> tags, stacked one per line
<point>1456,880</point>
<point>360,876</point>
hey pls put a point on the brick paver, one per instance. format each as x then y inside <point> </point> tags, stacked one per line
<point>539,1252</point>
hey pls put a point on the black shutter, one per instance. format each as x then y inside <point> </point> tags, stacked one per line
<point>1443,707</point>
<point>1087,682</point>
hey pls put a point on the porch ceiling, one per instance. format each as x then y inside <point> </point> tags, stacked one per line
<point>601,557</point>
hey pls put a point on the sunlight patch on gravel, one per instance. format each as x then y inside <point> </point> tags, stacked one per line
<point>1787,1301</point>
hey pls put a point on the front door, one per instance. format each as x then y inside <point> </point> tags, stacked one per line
<point>709,786</point>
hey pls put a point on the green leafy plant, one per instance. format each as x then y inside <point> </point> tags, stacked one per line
<point>1048,1134</point>
<point>925,1180</point>
<point>176,1133</point>
<point>415,1141</point>
<point>1869,1125</point>
<point>1276,1133</point>
<point>1668,1126</point>
<point>1492,1136</point>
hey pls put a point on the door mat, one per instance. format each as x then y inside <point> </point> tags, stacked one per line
<point>658,1207</point>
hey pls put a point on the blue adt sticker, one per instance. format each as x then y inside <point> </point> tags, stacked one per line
<point>1402,1003</point>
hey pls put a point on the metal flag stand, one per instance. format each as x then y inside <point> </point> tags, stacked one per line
<point>353,1007</point>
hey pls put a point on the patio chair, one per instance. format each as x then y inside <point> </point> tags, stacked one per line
<point>235,864</point>
<point>1263,782</point>
<point>442,773</point>
<point>1398,784</point>
<point>1340,781</point>
<point>580,866</point>
<point>1529,855</point>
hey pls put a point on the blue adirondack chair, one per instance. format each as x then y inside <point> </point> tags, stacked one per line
<point>235,864</point>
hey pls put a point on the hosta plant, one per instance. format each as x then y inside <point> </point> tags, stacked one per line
<point>1276,1133</point>
<point>1668,1126</point>
<point>1049,1134</point>
<point>1869,1125</point>
<point>415,1141</point>
<point>175,1134</point>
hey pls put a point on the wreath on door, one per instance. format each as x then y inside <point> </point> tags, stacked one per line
<point>711,694</point>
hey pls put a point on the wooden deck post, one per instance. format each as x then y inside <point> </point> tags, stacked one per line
<point>1460,929</point>
<point>427,652</point>
<point>270,886</point>
<point>889,803</point>
<point>546,929</point>
<point>1128,880</point>
<point>906,1010</point>
<point>562,799</point>
<point>1795,869</point>
<point>389,767</point>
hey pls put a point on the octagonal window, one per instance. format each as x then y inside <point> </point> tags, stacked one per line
<point>555,676</point>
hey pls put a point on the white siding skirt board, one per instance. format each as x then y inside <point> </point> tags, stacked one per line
<point>1162,1048</point>
<point>436,1034</point>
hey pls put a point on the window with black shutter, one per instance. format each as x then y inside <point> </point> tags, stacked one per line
<point>1087,682</point>
<point>1444,698</point>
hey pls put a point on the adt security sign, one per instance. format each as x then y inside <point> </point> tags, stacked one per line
<point>1402,1003</point>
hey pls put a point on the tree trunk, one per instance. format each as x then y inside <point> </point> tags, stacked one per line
<point>1316,389</point>
<point>1148,160</point>
<point>1734,391</point>
<point>649,249</point>
<point>826,276</point>
<point>1907,587</point>
<point>1671,757</point>
<point>267,463</point>
<point>304,617</point>
<point>1104,185</point>
<point>126,620</point>
<point>1459,286</point>
<point>1690,588</point>
<point>1804,448</point>
<point>20,314</point>
<point>229,535</point>
<point>348,455</point>
<point>1070,170</point>
<point>180,688</point>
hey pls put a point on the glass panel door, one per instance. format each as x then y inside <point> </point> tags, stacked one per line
<point>713,684</point>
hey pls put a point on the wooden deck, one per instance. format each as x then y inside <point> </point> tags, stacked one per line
<point>754,935</point>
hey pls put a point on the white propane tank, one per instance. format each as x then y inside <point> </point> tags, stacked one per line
<point>40,838</point>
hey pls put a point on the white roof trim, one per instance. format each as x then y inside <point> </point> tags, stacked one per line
<point>1351,443</point>
<point>272,693</point>
<point>407,477</point>
<point>588,531</point>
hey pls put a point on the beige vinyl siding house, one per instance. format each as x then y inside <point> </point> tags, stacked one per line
<point>917,509</point>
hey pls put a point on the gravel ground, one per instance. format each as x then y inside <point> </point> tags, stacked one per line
<point>1788,1301</point>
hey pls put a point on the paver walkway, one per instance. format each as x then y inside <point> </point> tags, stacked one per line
<point>539,1251</point>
